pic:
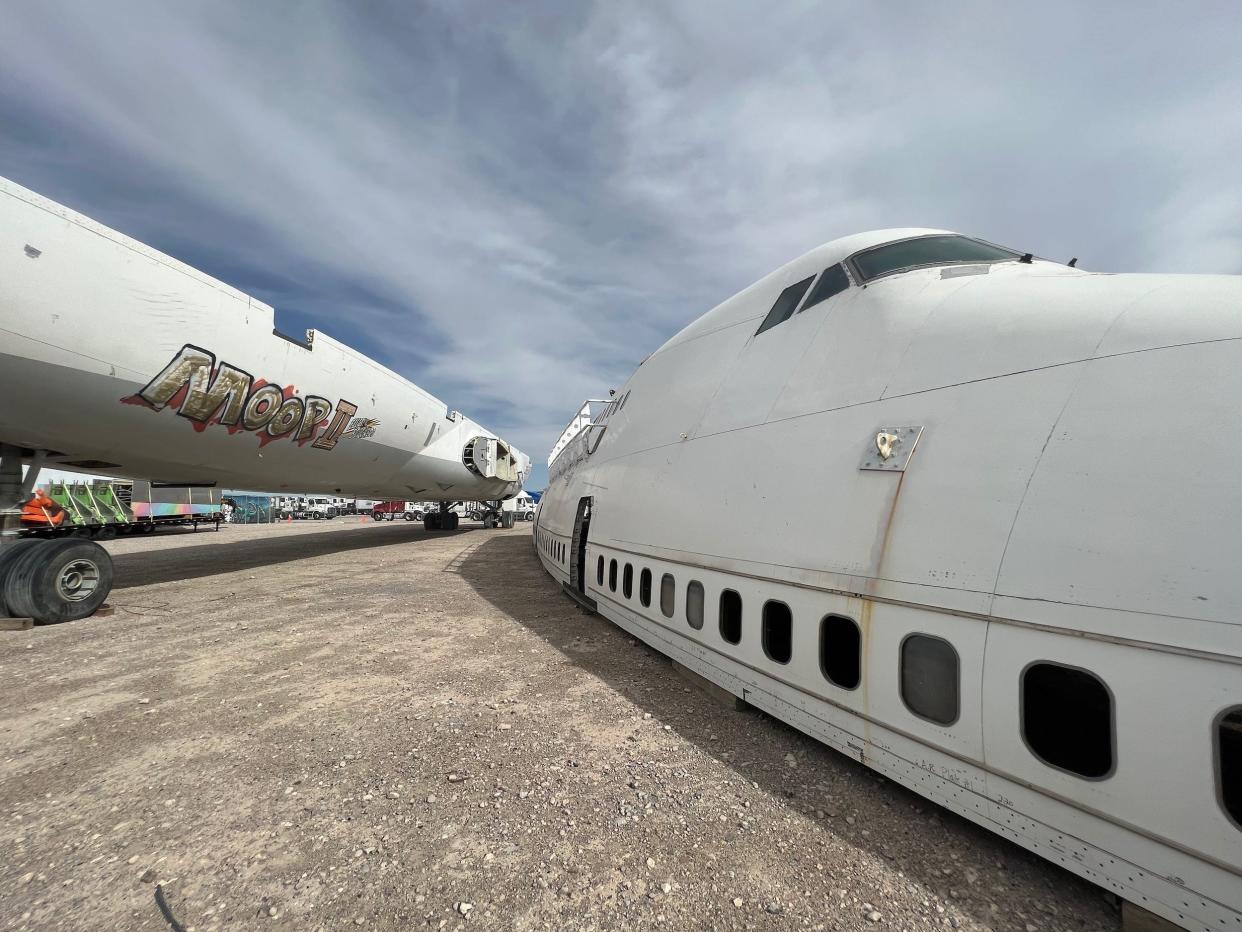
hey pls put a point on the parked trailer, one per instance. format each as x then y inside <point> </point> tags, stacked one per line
<point>103,508</point>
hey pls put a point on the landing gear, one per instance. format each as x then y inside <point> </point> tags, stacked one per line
<point>443,520</point>
<point>47,580</point>
<point>496,516</point>
<point>57,580</point>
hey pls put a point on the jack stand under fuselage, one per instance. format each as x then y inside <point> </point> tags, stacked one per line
<point>14,490</point>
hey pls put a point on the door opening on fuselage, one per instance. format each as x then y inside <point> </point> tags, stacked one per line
<point>582,525</point>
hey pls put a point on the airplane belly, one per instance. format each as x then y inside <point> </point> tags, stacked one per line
<point>86,417</point>
<point>117,359</point>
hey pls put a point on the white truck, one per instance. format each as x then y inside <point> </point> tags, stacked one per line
<point>525,507</point>
<point>303,508</point>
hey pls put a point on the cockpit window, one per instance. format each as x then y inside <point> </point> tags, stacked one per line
<point>924,251</point>
<point>833,281</point>
<point>785,305</point>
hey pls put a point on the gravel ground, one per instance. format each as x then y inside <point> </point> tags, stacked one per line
<point>310,726</point>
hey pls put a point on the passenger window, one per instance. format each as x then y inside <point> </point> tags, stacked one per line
<point>612,576</point>
<point>832,282</point>
<point>777,631</point>
<point>1067,719</point>
<point>840,651</point>
<point>599,571</point>
<point>1229,762</point>
<point>644,588</point>
<point>929,678</point>
<point>731,616</point>
<point>668,595</point>
<point>785,305</point>
<point>627,581</point>
<point>694,605</point>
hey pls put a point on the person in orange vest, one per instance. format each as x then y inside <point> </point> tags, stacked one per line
<point>42,510</point>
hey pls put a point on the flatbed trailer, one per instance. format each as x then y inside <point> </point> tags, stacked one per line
<point>105,508</point>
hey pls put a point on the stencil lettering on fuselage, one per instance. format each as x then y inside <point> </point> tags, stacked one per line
<point>205,393</point>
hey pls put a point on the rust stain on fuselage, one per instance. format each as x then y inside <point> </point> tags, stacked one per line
<point>866,609</point>
<point>879,552</point>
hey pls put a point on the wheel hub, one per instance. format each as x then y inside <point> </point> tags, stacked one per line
<point>77,580</point>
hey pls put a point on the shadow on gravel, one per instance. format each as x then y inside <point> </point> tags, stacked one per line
<point>914,834</point>
<point>222,555</point>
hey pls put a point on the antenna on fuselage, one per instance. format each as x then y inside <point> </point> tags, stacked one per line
<point>1027,257</point>
<point>1073,262</point>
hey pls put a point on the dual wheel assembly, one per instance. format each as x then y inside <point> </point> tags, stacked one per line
<point>53,580</point>
<point>440,521</point>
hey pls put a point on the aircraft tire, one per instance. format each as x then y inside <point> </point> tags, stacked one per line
<point>489,521</point>
<point>8,556</point>
<point>62,580</point>
<point>449,522</point>
<point>431,521</point>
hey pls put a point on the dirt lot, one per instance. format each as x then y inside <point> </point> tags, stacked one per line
<point>326,726</point>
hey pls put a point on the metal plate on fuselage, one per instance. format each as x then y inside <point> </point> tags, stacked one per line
<point>891,448</point>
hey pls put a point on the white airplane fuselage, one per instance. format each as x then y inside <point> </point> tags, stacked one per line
<point>1057,516</point>
<point>118,359</point>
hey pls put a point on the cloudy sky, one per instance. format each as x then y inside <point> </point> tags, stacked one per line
<point>513,203</point>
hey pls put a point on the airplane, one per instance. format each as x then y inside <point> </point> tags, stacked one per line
<point>119,360</point>
<point>965,515</point>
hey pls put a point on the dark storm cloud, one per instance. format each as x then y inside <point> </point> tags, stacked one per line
<point>513,204</point>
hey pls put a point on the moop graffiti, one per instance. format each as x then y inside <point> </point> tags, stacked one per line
<point>206,393</point>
